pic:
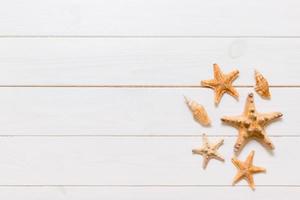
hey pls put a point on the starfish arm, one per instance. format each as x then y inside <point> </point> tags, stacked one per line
<point>217,72</point>
<point>205,161</point>
<point>217,145</point>
<point>250,105</point>
<point>219,157</point>
<point>254,169</point>
<point>235,121</point>
<point>232,75</point>
<point>205,140</point>
<point>233,92</point>
<point>209,83</point>
<point>269,117</point>
<point>218,95</point>
<point>197,151</point>
<point>249,159</point>
<point>267,142</point>
<point>237,178</point>
<point>240,142</point>
<point>238,164</point>
<point>250,181</point>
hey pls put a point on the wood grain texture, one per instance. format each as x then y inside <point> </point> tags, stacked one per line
<point>156,17</point>
<point>132,111</point>
<point>147,193</point>
<point>145,61</point>
<point>137,161</point>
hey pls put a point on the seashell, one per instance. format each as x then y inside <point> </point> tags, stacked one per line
<point>198,111</point>
<point>262,85</point>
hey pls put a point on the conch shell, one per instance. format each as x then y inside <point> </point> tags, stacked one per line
<point>262,85</point>
<point>198,111</point>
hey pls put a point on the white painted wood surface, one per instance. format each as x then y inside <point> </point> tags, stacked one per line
<point>133,161</point>
<point>145,61</point>
<point>155,17</point>
<point>132,111</point>
<point>147,193</point>
<point>91,97</point>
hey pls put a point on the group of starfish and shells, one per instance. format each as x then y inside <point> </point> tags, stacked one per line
<point>250,124</point>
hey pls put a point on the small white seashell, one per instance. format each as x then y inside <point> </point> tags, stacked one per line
<point>198,111</point>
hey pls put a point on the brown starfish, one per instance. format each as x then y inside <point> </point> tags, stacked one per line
<point>209,151</point>
<point>246,170</point>
<point>222,83</point>
<point>251,125</point>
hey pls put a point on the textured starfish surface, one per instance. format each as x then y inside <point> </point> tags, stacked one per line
<point>222,83</point>
<point>209,151</point>
<point>246,170</point>
<point>251,124</point>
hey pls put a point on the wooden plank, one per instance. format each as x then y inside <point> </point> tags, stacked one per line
<point>166,61</point>
<point>156,17</point>
<point>147,193</point>
<point>137,161</point>
<point>132,111</point>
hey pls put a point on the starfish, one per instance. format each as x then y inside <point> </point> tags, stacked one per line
<point>209,151</point>
<point>251,124</point>
<point>222,83</point>
<point>246,170</point>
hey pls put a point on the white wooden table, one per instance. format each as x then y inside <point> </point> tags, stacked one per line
<point>91,97</point>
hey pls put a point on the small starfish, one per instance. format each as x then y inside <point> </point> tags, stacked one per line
<point>246,170</point>
<point>209,151</point>
<point>222,83</point>
<point>251,125</point>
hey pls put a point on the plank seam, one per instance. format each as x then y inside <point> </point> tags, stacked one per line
<point>145,186</point>
<point>133,86</point>
<point>154,36</point>
<point>145,136</point>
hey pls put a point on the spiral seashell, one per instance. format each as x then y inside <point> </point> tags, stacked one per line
<point>262,85</point>
<point>198,111</point>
